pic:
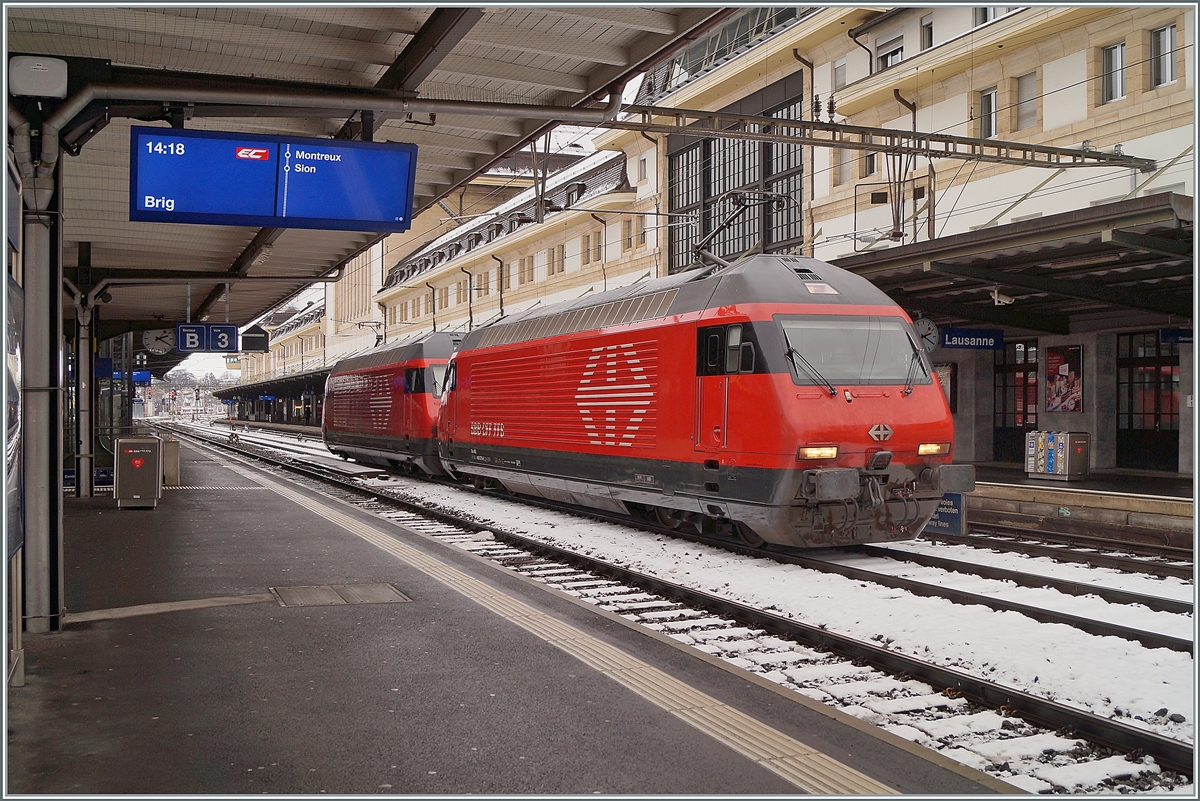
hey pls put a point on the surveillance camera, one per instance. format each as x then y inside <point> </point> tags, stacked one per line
<point>1000,299</point>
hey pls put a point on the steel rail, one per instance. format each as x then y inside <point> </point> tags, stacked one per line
<point>1099,628</point>
<point>1169,753</point>
<point>1067,587</point>
<point>1088,541</point>
<point>1063,555</point>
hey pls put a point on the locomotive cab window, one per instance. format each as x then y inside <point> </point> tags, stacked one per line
<point>451,373</point>
<point>853,350</point>
<point>414,380</point>
<point>725,350</point>
<point>437,379</point>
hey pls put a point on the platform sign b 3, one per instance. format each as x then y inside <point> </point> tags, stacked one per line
<point>206,338</point>
<point>191,337</point>
<point>222,338</point>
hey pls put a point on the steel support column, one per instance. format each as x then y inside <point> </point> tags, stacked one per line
<point>42,396</point>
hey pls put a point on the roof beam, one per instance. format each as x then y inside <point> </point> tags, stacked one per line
<point>241,265</point>
<point>1117,296</point>
<point>1050,323</point>
<point>1150,244</point>
<point>655,119</point>
<point>441,32</point>
<point>654,45</point>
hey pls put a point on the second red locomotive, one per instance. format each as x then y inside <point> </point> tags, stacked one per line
<point>381,407</point>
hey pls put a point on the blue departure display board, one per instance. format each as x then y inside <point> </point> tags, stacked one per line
<point>216,178</point>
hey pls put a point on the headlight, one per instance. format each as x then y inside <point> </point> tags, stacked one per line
<point>818,452</point>
<point>933,448</point>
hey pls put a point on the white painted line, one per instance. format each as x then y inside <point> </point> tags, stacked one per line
<point>172,606</point>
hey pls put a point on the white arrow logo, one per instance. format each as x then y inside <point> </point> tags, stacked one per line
<point>880,432</point>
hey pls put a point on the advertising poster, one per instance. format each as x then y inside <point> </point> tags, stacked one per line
<point>14,488</point>
<point>1064,378</point>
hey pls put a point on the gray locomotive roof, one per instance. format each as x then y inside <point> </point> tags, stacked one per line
<point>754,279</point>
<point>433,345</point>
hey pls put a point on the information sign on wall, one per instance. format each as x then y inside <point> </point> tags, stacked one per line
<point>973,338</point>
<point>217,178</point>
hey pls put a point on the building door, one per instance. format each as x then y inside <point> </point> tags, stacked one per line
<point>1015,409</point>
<point>1147,402</point>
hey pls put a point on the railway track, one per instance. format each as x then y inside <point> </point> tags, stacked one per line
<point>881,685</point>
<point>1075,549</point>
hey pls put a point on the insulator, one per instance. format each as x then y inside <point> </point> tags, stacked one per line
<point>816,107</point>
<point>832,106</point>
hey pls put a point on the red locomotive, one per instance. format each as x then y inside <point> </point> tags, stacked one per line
<point>780,399</point>
<point>381,407</point>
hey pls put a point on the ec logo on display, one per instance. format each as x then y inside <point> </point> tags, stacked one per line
<point>253,153</point>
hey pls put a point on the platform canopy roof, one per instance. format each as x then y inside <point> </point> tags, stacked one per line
<point>303,70</point>
<point>1129,262</point>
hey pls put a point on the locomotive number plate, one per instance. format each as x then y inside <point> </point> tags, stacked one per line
<point>487,430</point>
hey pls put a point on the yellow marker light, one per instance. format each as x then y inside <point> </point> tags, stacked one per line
<point>933,448</point>
<point>819,452</point>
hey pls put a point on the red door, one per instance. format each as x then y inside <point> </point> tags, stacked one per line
<point>712,392</point>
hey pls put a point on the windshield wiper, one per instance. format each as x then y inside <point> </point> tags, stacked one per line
<point>794,354</point>
<point>912,372</point>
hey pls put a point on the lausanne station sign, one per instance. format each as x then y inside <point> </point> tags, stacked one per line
<point>215,178</point>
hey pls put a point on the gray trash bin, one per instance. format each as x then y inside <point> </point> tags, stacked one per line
<point>170,462</point>
<point>139,471</point>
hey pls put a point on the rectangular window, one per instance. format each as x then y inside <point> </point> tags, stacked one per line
<point>927,32</point>
<point>869,161</point>
<point>460,292</point>
<point>556,258</point>
<point>642,169</point>
<point>989,114</point>
<point>626,235</point>
<point>641,230</point>
<point>1112,66</point>
<point>1026,101</point>
<point>443,297</point>
<point>585,249</point>
<point>842,175</point>
<point>483,283</point>
<point>839,74</point>
<point>506,276</point>
<point>598,246</point>
<point>1162,56</point>
<point>986,14</point>
<point>522,277</point>
<point>889,53</point>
